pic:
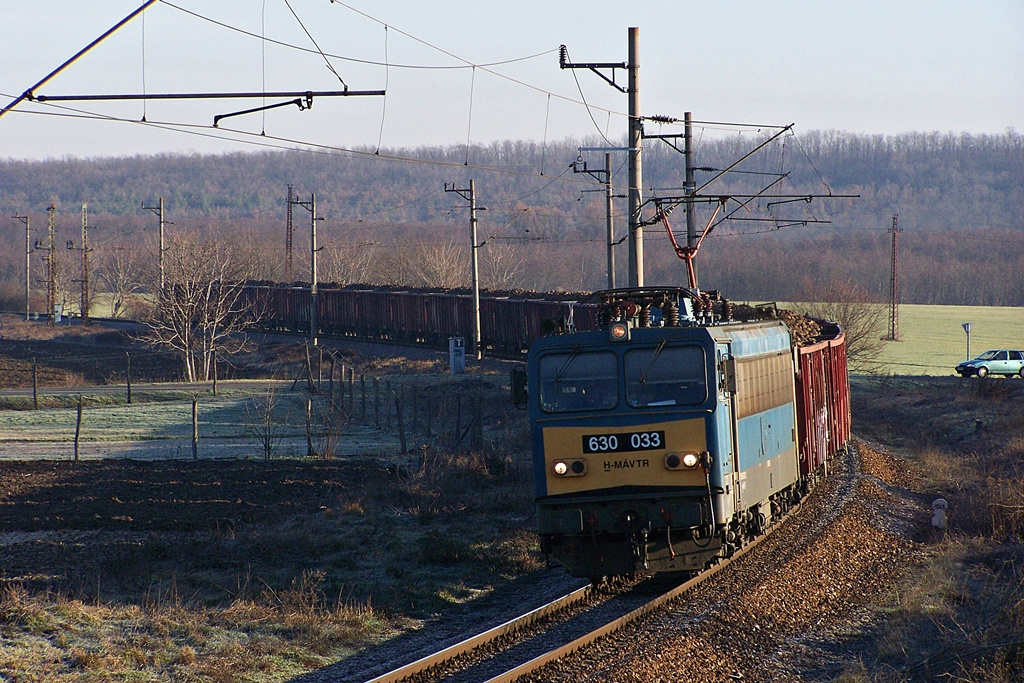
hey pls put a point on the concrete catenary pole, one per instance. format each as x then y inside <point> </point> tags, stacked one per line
<point>690,183</point>
<point>159,211</point>
<point>289,274</point>
<point>314,303</point>
<point>636,234</point>
<point>28,270</point>
<point>609,218</point>
<point>51,263</point>
<point>28,263</point>
<point>476,270</point>
<point>84,305</point>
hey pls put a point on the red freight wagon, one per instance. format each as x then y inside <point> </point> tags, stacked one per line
<point>822,401</point>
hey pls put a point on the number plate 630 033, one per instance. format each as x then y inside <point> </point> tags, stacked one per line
<point>624,442</point>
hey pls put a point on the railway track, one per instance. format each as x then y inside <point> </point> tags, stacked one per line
<point>521,647</point>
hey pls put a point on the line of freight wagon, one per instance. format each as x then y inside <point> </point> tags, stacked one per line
<point>508,324</point>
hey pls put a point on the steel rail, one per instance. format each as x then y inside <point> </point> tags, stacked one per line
<point>513,625</point>
<point>488,636</point>
<point>642,611</point>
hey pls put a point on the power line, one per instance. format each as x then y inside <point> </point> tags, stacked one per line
<point>313,40</point>
<point>355,60</point>
<point>286,144</point>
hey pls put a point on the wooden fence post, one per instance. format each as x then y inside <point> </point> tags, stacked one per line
<point>415,408</point>
<point>376,403</point>
<point>362,392</point>
<point>401,424</point>
<point>309,427</point>
<point>128,376</point>
<point>78,427</point>
<point>35,385</point>
<point>195,428</point>
<point>330,386</point>
<point>309,373</point>
<point>351,390</point>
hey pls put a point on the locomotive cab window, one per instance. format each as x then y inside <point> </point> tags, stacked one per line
<point>666,376</point>
<point>577,380</point>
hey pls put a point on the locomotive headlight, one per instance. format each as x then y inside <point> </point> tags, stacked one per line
<point>576,467</point>
<point>683,461</point>
<point>618,331</point>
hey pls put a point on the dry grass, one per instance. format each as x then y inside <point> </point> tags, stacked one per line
<point>52,637</point>
<point>960,616</point>
<point>250,571</point>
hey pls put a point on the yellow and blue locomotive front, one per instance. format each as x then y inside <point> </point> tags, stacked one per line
<point>628,445</point>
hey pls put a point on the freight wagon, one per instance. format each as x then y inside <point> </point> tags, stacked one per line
<point>508,325</point>
<point>665,438</point>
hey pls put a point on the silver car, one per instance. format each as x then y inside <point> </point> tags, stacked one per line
<point>996,362</point>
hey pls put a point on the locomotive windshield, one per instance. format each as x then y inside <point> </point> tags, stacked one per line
<point>578,380</point>
<point>666,376</point>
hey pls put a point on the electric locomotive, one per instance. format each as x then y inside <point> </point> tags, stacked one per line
<point>664,438</point>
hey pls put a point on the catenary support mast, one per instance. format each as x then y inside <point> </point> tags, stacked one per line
<point>636,132</point>
<point>469,194</point>
<point>894,290</point>
<point>635,234</point>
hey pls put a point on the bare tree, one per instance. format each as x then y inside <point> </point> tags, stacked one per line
<point>849,304</point>
<point>502,266</point>
<point>328,421</point>
<point>440,264</point>
<point>263,423</point>
<point>122,274</point>
<point>202,309</point>
<point>346,263</point>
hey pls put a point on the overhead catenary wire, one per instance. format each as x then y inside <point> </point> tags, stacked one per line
<point>175,126</point>
<point>469,123</point>
<point>53,74</point>
<point>387,82</point>
<point>263,54</point>
<point>586,105</point>
<point>315,44</point>
<point>355,60</point>
<point>144,64</point>
<point>289,145</point>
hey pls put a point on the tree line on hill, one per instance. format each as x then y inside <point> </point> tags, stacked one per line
<point>542,226</point>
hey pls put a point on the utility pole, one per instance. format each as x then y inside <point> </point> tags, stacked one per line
<point>51,261</point>
<point>609,218</point>
<point>635,235</point>
<point>28,263</point>
<point>470,195</point>
<point>636,134</point>
<point>690,183</point>
<point>288,273</point>
<point>894,292</point>
<point>314,303</point>
<point>604,176</point>
<point>84,279</point>
<point>159,211</point>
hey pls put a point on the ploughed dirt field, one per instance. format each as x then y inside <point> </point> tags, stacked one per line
<point>267,569</point>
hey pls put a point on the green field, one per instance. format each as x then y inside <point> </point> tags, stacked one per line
<point>933,341</point>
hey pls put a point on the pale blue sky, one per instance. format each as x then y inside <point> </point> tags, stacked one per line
<point>865,67</point>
